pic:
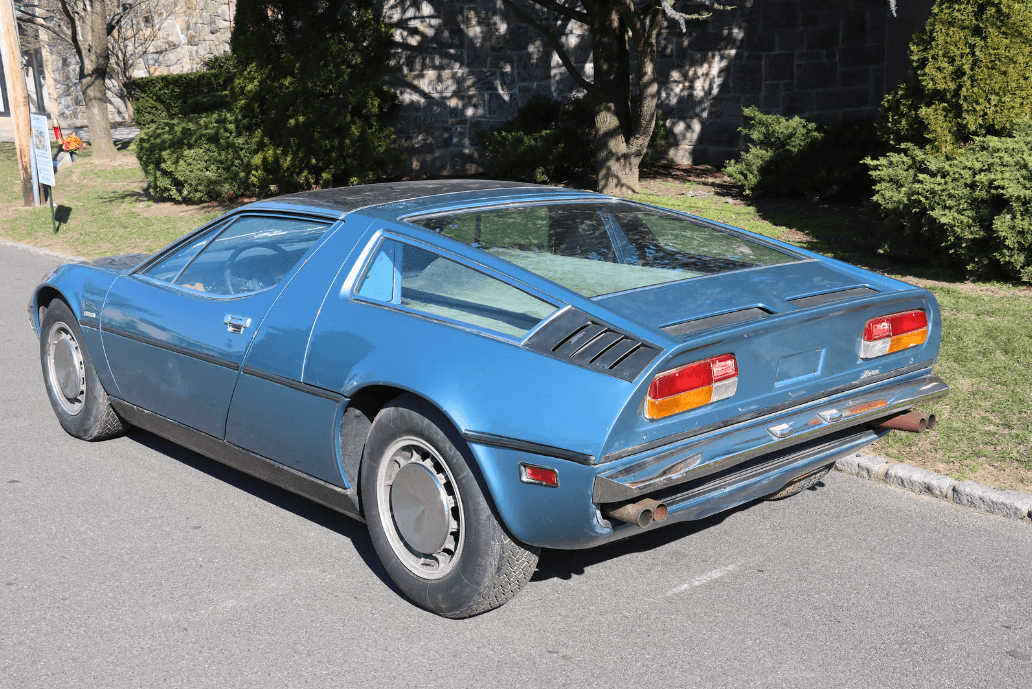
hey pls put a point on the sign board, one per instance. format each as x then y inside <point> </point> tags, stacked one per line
<point>41,150</point>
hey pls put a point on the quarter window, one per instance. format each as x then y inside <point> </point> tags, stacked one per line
<point>427,282</point>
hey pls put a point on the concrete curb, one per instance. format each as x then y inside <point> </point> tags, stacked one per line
<point>67,258</point>
<point>1012,504</point>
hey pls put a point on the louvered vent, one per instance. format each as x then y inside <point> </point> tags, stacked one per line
<point>818,299</point>
<point>688,327</point>
<point>576,337</point>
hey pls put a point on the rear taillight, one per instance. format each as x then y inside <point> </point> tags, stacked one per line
<point>691,386</point>
<point>888,334</point>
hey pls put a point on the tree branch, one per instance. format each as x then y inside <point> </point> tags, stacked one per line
<point>568,12</point>
<point>558,46</point>
<point>46,23</point>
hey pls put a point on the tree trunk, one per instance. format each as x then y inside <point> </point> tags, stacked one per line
<point>93,65</point>
<point>615,163</point>
<point>611,57</point>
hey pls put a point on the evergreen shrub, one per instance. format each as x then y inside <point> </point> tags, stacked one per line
<point>971,212</point>
<point>309,85</point>
<point>551,141</point>
<point>972,76</point>
<point>796,158</point>
<point>197,158</point>
<point>168,96</point>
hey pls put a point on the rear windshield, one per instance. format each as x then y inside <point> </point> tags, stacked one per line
<point>599,248</point>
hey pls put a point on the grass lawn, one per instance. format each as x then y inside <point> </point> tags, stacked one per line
<point>101,209</point>
<point>985,429</point>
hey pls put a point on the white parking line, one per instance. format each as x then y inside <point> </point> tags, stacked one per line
<point>704,578</point>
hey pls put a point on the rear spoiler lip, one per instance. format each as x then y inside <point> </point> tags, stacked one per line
<point>686,461</point>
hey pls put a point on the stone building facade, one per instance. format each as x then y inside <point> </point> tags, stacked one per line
<point>462,67</point>
<point>160,37</point>
<point>467,66</point>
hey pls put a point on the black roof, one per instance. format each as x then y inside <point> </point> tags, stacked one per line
<point>346,199</point>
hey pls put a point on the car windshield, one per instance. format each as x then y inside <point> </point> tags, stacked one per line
<point>600,248</point>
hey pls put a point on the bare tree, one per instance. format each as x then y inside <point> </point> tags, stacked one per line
<point>139,33</point>
<point>86,25</point>
<point>625,34</point>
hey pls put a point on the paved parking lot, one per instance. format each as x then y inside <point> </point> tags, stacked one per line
<point>134,563</point>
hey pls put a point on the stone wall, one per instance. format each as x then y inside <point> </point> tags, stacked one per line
<point>464,66</point>
<point>163,36</point>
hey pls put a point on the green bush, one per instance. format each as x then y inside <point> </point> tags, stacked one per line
<point>308,84</point>
<point>971,212</point>
<point>800,159</point>
<point>972,76</point>
<point>547,141</point>
<point>166,97</point>
<point>197,158</point>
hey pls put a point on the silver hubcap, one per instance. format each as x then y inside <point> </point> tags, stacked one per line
<point>420,508</point>
<point>66,369</point>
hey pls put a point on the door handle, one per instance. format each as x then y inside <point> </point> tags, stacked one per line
<point>236,324</point>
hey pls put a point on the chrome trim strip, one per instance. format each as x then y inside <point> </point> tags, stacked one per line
<point>804,424</point>
<point>89,323</point>
<point>343,500</point>
<point>526,446</point>
<point>766,411</point>
<point>207,358</point>
<point>293,384</point>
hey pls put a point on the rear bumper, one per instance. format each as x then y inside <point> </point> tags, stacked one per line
<point>718,450</point>
<point>699,476</point>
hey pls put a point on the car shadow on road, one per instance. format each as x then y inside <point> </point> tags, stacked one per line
<point>274,495</point>
<point>566,564</point>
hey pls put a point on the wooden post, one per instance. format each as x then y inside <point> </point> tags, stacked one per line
<point>10,52</point>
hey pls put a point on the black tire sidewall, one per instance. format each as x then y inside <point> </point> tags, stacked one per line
<point>87,423</point>
<point>482,535</point>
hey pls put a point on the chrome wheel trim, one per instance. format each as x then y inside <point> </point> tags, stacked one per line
<point>66,370</point>
<point>426,490</point>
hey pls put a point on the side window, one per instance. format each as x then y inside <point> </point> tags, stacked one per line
<point>252,254</point>
<point>169,267</point>
<point>429,283</point>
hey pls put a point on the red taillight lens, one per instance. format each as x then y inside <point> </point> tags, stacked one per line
<point>892,333</point>
<point>691,386</point>
<point>542,476</point>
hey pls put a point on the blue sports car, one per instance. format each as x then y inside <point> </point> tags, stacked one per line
<point>482,369</point>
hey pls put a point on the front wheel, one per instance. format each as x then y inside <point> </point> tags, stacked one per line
<point>75,392</point>
<point>429,520</point>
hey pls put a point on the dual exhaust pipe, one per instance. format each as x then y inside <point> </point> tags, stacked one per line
<point>911,421</point>
<point>641,513</point>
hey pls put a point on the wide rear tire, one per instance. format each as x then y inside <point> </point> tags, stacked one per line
<point>428,518</point>
<point>79,400</point>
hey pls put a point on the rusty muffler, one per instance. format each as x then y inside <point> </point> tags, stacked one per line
<point>642,513</point>
<point>912,421</point>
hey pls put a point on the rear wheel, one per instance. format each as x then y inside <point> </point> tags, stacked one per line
<point>429,520</point>
<point>75,392</point>
<point>800,484</point>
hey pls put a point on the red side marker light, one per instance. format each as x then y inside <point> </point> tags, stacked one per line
<point>542,476</point>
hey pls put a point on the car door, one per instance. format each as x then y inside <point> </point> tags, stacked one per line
<point>176,332</point>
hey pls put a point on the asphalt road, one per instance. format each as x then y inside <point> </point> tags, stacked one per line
<point>134,563</point>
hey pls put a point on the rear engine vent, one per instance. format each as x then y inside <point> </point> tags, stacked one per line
<point>689,327</point>
<point>576,337</point>
<point>827,297</point>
